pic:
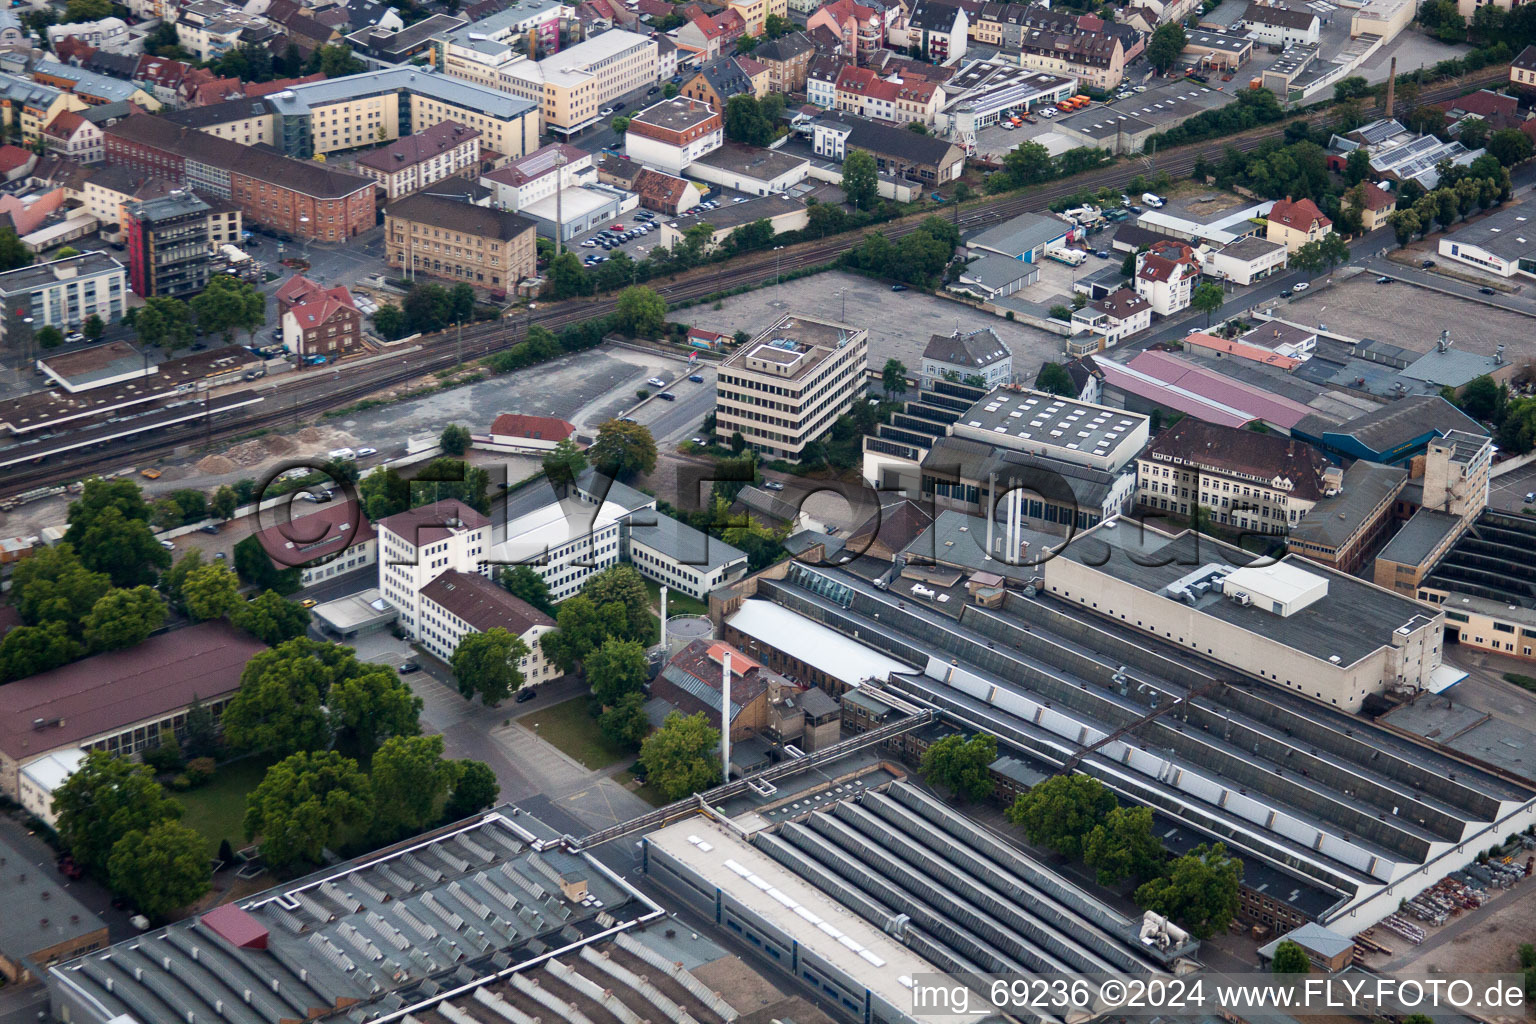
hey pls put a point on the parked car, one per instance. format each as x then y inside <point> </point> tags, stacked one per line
<point>1101,254</point>
<point>1487,291</point>
<point>74,336</point>
<point>1427,264</point>
<point>656,382</point>
<point>1383,280</point>
<point>150,474</point>
<point>607,112</point>
<point>697,378</point>
<point>772,485</point>
<point>308,602</point>
<point>701,442</point>
<point>363,453</point>
<point>527,693</point>
<point>898,287</point>
<point>209,528</point>
<point>616,227</point>
<point>667,396</point>
<point>168,545</point>
<point>409,667</point>
<point>1300,286</point>
<point>1530,497</point>
<point>1285,293</point>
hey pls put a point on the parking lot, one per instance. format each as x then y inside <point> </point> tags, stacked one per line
<point>634,234</point>
<point>1508,491</point>
<point>1409,316</point>
<point>899,323</point>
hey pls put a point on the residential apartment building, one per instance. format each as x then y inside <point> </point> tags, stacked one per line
<point>299,198</point>
<point>754,13</point>
<point>1166,275</point>
<point>524,182</point>
<point>861,28</point>
<point>863,92</point>
<point>71,135</point>
<point>173,242</point>
<point>1295,223</point>
<point>1522,70</point>
<point>1114,318</point>
<point>456,604</point>
<point>1246,260</point>
<point>208,29</point>
<point>328,325</point>
<point>61,293</point>
<point>444,238</point>
<point>938,30</point>
<point>445,150</point>
<point>709,36</point>
<point>572,87</point>
<point>95,89</point>
<point>673,134</point>
<point>528,27</point>
<point>969,356</point>
<point>1261,483</point>
<point>249,122</point>
<point>716,82</point>
<point>1094,59</point>
<point>33,105</point>
<point>378,106</point>
<point>784,389</point>
<point>324,544</point>
<point>787,59</point>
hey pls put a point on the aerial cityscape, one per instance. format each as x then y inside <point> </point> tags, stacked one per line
<point>767,511</point>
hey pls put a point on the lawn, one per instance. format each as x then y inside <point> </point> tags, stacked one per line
<point>645,791</point>
<point>678,603</point>
<point>217,810</point>
<point>570,728</point>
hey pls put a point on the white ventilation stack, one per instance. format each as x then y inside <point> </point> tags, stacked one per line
<point>663,618</point>
<point>725,719</point>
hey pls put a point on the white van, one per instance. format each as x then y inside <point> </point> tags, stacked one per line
<point>1152,200</point>
<point>344,454</point>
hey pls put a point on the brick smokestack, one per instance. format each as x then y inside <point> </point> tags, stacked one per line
<point>1391,86</point>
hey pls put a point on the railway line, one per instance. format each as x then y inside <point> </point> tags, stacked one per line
<point>65,458</point>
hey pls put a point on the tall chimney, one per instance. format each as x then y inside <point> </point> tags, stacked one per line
<point>991,508</point>
<point>725,719</point>
<point>1391,86</point>
<point>663,621</point>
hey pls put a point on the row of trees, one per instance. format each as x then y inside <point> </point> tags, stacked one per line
<point>1032,164</point>
<point>918,258</point>
<point>1512,418</point>
<point>1462,191</point>
<point>1078,818</point>
<point>426,307</point>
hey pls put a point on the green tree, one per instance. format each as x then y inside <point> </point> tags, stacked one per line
<point>1483,398</point>
<point>620,125</point>
<point>1199,890</point>
<point>103,800</point>
<point>961,765</point>
<point>382,493</point>
<point>1124,846</point>
<point>28,650</point>
<point>124,618</point>
<point>86,10</point>
<point>389,321</point>
<point>454,440</point>
<point>582,628</point>
<point>474,789</point>
<point>564,463</point>
<point>567,277</point>
<point>1509,146</point>
<point>1405,225</point>
<point>160,869</point>
<point>334,62</point>
<point>893,377</point>
<point>522,582</point>
<point>125,549</point>
<point>623,450</point>
<point>1351,88</point>
<point>94,327</point>
<point>1290,958</point>
<point>1061,811</point>
<point>625,723</point>
<point>641,312</point>
<point>254,566</point>
<point>49,336</point>
<point>306,803</point>
<point>171,581</point>
<point>487,664</point>
<point>1357,166</point>
<point>280,706</point>
<point>615,670</point>
<point>1061,312</point>
<point>271,618</point>
<point>201,732</point>
<point>447,478</point>
<point>623,584</point>
<point>668,91</point>
<point>681,758</point>
<point>228,305</point>
<point>410,780</point>
<point>53,586</point>
<point>1027,164</point>
<point>1165,46</point>
<point>12,253</point>
<point>1054,379</point>
<point>370,707</point>
<point>210,592</point>
<point>1207,299</point>
<point>163,321</point>
<point>861,180</point>
<point>224,503</point>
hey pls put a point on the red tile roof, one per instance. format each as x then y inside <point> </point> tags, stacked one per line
<point>428,524</point>
<point>303,539</point>
<point>1377,198</point>
<point>414,149</point>
<point>255,90</point>
<point>13,157</point>
<point>106,692</point>
<point>542,428</point>
<point>483,604</point>
<point>61,127</point>
<point>1299,214</point>
<point>316,314</point>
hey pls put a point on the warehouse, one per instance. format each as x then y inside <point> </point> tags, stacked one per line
<point>1357,816</point>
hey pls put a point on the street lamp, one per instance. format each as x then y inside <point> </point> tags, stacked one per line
<point>776,290</point>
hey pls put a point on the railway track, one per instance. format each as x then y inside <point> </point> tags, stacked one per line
<point>442,350</point>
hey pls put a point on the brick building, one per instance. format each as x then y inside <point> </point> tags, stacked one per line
<point>293,197</point>
<point>411,163</point>
<point>456,241</point>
